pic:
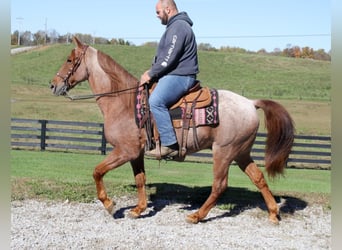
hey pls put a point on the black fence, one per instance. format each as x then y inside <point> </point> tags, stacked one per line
<point>68,136</point>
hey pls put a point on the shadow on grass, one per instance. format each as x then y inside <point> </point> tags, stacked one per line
<point>233,201</point>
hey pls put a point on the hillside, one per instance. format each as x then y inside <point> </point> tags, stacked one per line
<point>247,74</point>
<point>300,84</point>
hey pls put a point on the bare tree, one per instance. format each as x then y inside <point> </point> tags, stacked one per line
<point>53,35</point>
<point>39,37</point>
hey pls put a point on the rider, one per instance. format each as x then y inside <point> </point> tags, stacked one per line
<point>175,68</point>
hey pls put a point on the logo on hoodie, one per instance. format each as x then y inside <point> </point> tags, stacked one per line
<point>169,53</point>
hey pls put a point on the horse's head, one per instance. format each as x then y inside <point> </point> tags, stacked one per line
<point>72,72</point>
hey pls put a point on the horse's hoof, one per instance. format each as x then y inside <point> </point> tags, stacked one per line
<point>110,207</point>
<point>274,221</point>
<point>133,215</point>
<point>192,218</point>
<point>136,212</point>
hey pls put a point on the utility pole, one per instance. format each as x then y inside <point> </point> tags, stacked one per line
<point>94,32</point>
<point>45,31</point>
<point>20,20</point>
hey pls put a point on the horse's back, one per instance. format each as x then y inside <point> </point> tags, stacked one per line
<point>237,114</point>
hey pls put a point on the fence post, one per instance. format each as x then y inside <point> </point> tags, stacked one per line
<point>103,142</point>
<point>43,134</point>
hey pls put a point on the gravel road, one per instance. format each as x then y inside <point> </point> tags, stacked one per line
<point>58,225</point>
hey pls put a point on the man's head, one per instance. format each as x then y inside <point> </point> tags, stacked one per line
<point>166,9</point>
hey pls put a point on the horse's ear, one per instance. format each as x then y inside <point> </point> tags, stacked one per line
<point>77,42</point>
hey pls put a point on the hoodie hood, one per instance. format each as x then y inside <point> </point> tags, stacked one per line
<point>180,16</point>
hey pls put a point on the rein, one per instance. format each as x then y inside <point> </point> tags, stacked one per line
<point>83,97</point>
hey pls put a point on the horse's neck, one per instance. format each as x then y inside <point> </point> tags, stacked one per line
<point>107,76</point>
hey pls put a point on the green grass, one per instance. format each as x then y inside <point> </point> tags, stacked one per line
<point>61,176</point>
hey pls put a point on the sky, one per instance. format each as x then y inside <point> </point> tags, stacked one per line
<point>248,24</point>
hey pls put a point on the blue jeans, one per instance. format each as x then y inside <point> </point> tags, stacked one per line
<point>168,91</point>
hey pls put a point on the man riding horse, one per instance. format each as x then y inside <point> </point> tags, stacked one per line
<point>175,68</point>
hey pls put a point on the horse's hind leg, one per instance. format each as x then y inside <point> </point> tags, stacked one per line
<point>247,165</point>
<point>140,180</point>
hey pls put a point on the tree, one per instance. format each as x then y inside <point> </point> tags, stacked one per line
<point>53,36</point>
<point>321,55</point>
<point>261,51</point>
<point>296,52</point>
<point>39,37</point>
<point>151,44</point>
<point>85,38</point>
<point>307,52</point>
<point>26,38</point>
<point>14,37</point>
<point>101,40</point>
<point>205,47</point>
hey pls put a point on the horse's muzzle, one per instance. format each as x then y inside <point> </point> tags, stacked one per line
<point>59,89</point>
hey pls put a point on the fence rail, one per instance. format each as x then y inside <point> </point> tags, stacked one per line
<point>308,151</point>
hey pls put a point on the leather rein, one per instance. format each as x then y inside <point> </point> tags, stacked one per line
<point>83,97</point>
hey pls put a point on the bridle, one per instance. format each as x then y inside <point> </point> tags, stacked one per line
<point>72,70</point>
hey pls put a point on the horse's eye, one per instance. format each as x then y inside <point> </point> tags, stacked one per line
<point>69,60</point>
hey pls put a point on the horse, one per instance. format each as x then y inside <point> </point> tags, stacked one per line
<point>114,90</point>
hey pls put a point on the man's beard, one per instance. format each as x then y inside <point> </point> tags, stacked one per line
<point>165,18</point>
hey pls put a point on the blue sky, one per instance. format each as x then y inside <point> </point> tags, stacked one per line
<point>249,24</point>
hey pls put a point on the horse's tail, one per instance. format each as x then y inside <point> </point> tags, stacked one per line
<point>280,136</point>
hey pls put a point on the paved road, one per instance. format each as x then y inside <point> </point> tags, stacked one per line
<point>22,49</point>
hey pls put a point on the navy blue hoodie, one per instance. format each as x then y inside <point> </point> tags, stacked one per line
<point>177,49</point>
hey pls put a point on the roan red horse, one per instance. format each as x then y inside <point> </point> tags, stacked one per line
<point>232,140</point>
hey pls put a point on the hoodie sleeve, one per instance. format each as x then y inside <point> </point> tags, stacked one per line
<point>169,51</point>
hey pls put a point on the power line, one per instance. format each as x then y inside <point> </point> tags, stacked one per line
<point>265,36</point>
<point>243,36</point>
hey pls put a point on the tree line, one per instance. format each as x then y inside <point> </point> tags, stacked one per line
<point>41,37</point>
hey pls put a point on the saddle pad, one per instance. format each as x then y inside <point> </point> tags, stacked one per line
<point>202,116</point>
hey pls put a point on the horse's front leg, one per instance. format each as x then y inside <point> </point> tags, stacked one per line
<point>112,161</point>
<point>140,180</point>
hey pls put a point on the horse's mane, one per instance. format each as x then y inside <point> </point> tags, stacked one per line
<point>120,78</point>
<point>118,74</point>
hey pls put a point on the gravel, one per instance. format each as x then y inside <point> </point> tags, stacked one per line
<point>66,225</point>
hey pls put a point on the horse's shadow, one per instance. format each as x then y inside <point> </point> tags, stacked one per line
<point>233,202</point>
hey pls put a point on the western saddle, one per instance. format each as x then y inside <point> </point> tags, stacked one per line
<point>197,97</point>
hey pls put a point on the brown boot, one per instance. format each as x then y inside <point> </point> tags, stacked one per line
<point>164,151</point>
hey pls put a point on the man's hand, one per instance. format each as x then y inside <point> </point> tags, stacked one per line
<point>145,78</point>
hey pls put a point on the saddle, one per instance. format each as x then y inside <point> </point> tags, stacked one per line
<point>182,112</point>
<point>197,95</point>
